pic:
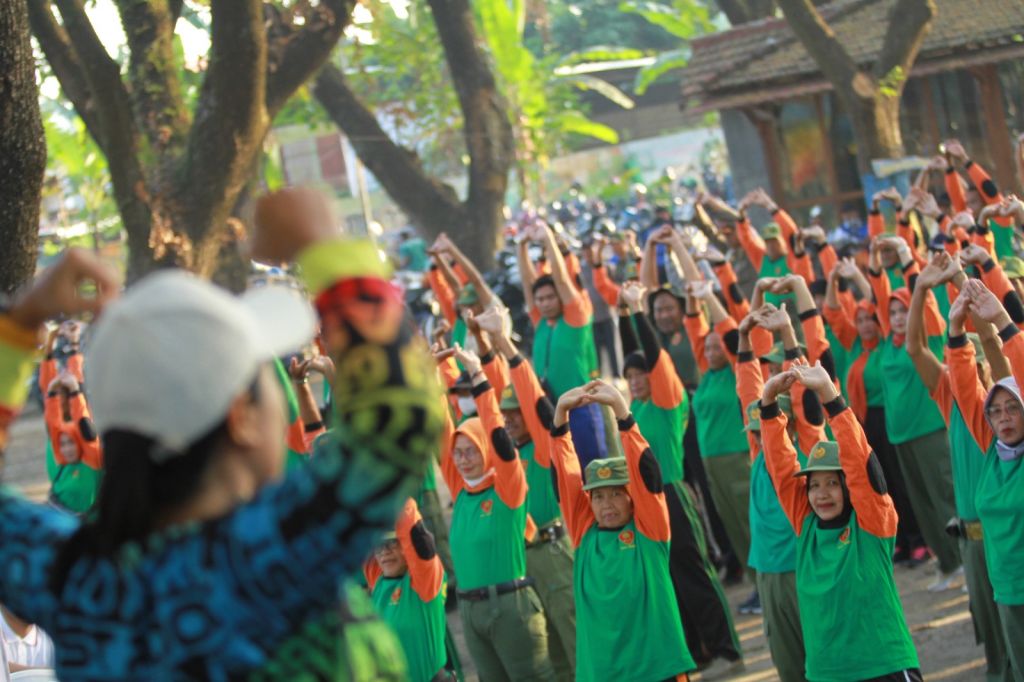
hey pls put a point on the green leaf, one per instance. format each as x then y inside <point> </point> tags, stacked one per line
<point>602,87</point>
<point>666,61</point>
<point>681,22</point>
<point>577,123</point>
<point>601,53</point>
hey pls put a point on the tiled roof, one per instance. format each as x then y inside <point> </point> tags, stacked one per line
<point>766,51</point>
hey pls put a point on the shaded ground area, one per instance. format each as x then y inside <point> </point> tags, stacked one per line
<point>940,623</point>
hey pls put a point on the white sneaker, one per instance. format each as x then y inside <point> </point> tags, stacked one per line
<point>719,669</point>
<point>948,581</point>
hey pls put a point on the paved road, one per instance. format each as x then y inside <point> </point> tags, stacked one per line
<point>940,623</point>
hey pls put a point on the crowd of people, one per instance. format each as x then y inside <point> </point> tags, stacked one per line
<point>252,486</point>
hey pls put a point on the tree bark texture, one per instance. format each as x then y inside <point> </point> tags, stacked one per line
<point>474,224</point>
<point>177,174</point>
<point>22,148</point>
<point>870,96</point>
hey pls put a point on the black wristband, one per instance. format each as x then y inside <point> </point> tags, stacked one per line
<point>958,341</point>
<point>745,356</point>
<point>988,265</point>
<point>488,357</point>
<point>1008,332</point>
<point>557,431</point>
<point>313,426</point>
<point>627,423</point>
<point>793,353</point>
<point>809,314</point>
<point>516,360</point>
<point>770,411</point>
<point>481,388</point>
<point>835,406</point>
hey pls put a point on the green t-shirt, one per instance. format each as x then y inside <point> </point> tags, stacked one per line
<point>1003,240</point>
<point>562,356</point>
<point>909,410</point>
<point>716,406</point>
<point>420,625</point>
<point>772,540</point>
<point>415,252</point>
<point>627,621</point>
<point>488,540</point>
<point>664,429</point>
<point>873,380</point>
<point>840,356</point>
<point>775,268</point>
<point>1000,502</point>
<point>541,500</point>
<point>682,358</point>
<point>850,609</point>
<point>968,465</point>
<point>75,486</point>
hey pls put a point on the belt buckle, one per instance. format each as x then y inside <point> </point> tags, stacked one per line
<point>973,531</point>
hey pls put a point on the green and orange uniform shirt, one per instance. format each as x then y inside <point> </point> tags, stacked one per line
<point>999,497</point>
<point>754,246</point>
<point>966,458</point>
<point>564,355</point>
<point>627,623</point>
<point>853,622</point>
<point>716,405</point>
<point>413,604</point>
<point>999,232</point>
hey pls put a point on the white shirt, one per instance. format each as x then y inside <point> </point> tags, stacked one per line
<point>35,650</point>
<point>5,674</point>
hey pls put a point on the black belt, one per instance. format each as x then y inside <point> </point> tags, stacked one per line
<point>443,675</point>
<point>482,593</point>
<point>552,533</point>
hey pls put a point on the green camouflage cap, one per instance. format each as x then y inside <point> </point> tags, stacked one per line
<point>509,401</point>
<point>602,473</point>
<point>1012,266</point>
<point>771,231</point>
<point>468,295</point>
<point>824,457</point>
<point>777,355</point>
<point>754,411</point>
<point>389,536</point>
<point>979,350</point>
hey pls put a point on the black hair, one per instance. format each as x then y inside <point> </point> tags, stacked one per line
<point>634,360</point>
<point>653,296</point>
<point>844,516</point>
<point>136,489</point>
<point>544,281</point>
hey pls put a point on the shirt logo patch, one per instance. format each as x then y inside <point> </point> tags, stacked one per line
<point>844,538</point>
<point>818,452</point>
<point>604,472</point>
<point>627,540</point>
<point>486,506</point>
<point>396,595</point>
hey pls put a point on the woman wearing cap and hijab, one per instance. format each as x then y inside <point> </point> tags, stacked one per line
<point>996,420</point>
<point>406,581</point>
<point>202,561</point>
<point>852,619</point>
<point>502,616</point>
<point>628,625</point>
<point>919,435</point>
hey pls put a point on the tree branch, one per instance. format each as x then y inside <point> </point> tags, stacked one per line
<point>820,42</point>
<point>736,11</point>
<point>230,120</point>
<point>174,8</point>
<point>297,54</point>
<point>64,62</point>
<point>909,22</point>
<point>153,73</point>
<point>421,197</point>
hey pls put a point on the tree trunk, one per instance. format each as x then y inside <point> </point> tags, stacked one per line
<point>22,148</point>
<point>876,126</point>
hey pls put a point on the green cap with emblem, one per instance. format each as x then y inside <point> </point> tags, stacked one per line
<point>468,296</point>
<point>602,473</point>
<point>777,355</point>
<point>754,411</point>
<point>771,231</point>
<point>824,457</point>
<point>509,401</point>
<point>390,536</point>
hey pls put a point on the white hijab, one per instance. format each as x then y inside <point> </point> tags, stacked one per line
<point>1007,452</point>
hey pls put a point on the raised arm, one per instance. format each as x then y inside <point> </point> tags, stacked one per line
<point>567,290</point>
<point>527,272</point>
<point>779,454</point>
<point>941,269</point>
<point>666,387</point>
<point>574,502</point>
<point>443,292</point>
<point>446,245</point>
<point>426,573</point>
<point>751,242</point>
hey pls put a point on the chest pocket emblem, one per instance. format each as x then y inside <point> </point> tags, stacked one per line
<point>396,596</point>
<point>844,538</point>
<point>627,540</point>
<point>486,507</point>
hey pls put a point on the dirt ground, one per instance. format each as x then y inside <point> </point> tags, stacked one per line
<point>940,623</point>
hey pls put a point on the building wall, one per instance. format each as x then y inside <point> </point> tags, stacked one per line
<point>746,156</point>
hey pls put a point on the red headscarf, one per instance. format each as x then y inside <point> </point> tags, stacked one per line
<point>855,388</point>
<point>903,296</point>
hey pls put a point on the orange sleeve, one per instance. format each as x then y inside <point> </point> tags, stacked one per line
<point>443,293</point>
<point>510,477</point>
<point>452,478</point>
<point>534,315</point>
<point>848,303</point>
<point>801,265</point>
<point>998,283</point>
<point>575,503</point>
<point>807,434</point>
<point>531,396</point>
<point>934,322</point>
<point>876,224</point>
<point>496,370</point>
<point>460,274</point>
<point>983,182</point>
<point>54,420</point>
<point>751,242</point>
<point>883,292</point>
<point>875,512</point>
<point>828,259</point>
<point>47,373</point>
<point>74,364</point>
<point>650,510</point>
<point>782,463</point>
<point>426,575</point>
<point>841,324</point>
<point>572,267</point>
<point>761,340</point>
<point>985,239</point>
<point>372,573</point>
<point>786,224</point>
<point>749,386</point>
<point>696,331</point>
<point>308,437</point>
<point>955,190</point>
<point>449,371</point>
<point>576,312</point>
<point>666,387</point>
<point>814,336</point>
<point>722,328</point>
<point>943,395</point>
<point>608,289</point>
<point>968,390</point>
<point>85,433</point>
<point>736,302</point>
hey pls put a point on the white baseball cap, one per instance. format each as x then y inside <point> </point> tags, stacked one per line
<point>166,360</point>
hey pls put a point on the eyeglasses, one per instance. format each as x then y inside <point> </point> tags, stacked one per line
<point>1013,409</point>
<point>387,546</point>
